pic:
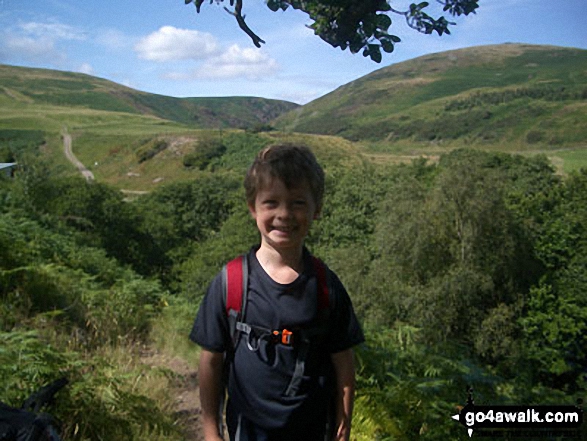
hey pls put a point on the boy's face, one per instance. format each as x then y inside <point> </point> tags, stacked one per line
<point>284,216</point>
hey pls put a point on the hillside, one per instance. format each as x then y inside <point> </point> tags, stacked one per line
<point>514,98</point>
<point>44,87</point>
<point>511,94</point>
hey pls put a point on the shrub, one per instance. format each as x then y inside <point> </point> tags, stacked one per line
<point>102,401</point>
<point>150,149</point>
<point>534,136</point>
<point>209,147</point>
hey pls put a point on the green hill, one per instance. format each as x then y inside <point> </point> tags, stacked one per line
<point>513,95</point>
<point>514,98</point>
<point>67,89</point>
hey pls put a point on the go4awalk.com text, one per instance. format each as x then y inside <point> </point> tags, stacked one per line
<point>520,421</point>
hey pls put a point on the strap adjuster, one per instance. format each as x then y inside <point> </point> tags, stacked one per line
<point>285,337</point>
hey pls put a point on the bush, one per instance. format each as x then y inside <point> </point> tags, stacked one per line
<point>43,271</point>
<point>260,127</point>
<point>209,148</point>
<point>102,401</point>
<point>534,136</point>
<point>150,149</point>
<point>122,311</point>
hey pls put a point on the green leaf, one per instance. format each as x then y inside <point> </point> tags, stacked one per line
<point>356,46</point>
<point>387,46</point>
<point>383,21</point>
<point>375,53</point>
<point>275,5</point>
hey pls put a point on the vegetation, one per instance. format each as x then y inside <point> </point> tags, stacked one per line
<point>207,150</point>
<point>26,86</point>
<point>359,25</point>
<point>515,98</point>
<point>466,270</point>
<point>511,95</point>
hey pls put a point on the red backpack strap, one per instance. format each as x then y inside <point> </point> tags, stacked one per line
<point>323,286</point>
<point>235,276</point>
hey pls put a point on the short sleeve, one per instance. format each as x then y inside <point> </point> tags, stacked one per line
<point>210,329</point>
<point>344,330</point>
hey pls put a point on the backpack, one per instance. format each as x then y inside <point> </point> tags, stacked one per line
<point>27,423</point>
<point>235,284</point>
<point>235,275</point>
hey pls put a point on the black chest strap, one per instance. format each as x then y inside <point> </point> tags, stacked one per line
<point>235,280</point>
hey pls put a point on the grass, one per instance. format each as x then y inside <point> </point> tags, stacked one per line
<point>170,331</point>
<point>106,142</point>
<point>43,87</point>
<point>573,160</point>
<point>487,96</point>
<point>423,107</point>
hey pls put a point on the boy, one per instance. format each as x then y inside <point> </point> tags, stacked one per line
<point>284,189</point>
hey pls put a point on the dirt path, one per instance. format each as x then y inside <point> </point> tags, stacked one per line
<point>186,391</point>
<point>71,157</point>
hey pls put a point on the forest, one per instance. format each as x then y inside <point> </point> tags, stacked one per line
<point>466,272</point>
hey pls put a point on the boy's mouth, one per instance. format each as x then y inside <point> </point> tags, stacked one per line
<point>283,229</point>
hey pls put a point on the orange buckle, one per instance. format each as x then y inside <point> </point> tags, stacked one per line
<point>286,337</point>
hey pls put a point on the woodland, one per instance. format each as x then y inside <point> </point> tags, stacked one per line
<point>466,272</point>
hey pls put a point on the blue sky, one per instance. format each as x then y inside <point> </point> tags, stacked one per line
<point>164,47</point>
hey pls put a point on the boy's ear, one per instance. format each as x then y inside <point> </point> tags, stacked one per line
<point>252,210</point>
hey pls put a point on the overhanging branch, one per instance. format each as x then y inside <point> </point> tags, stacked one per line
<point>240,19</point>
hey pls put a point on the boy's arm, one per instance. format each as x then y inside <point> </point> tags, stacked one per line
<point>210,380</point>
<point>344,366</point>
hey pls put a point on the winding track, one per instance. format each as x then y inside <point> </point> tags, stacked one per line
<point>71,157</point>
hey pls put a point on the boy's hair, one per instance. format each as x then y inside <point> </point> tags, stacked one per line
<point>292,164</point>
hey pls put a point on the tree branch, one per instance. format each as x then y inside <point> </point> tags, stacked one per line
<point>240,19</point>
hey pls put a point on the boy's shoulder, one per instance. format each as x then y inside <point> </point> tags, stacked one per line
<point>238,272</point>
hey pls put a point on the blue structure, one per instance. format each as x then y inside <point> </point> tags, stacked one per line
<point>7,168</point>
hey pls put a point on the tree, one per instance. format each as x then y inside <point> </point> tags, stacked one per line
<point>555,324</point>
<point>358,24</point>
<point>457,249</point>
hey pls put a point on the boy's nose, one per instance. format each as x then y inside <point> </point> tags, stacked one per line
<point>285,211</point>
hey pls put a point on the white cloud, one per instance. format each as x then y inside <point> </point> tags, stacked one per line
<point>52,31</point>
<point>178,76</point>
<point>170,43</point>
<point>301,97</point>
<point>37,42</point>
<point>114,39</point>
<point>86,68</point>
<point>250,63</point>
<point>29,49</point>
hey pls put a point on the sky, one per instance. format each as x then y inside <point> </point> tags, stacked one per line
<point>165,47</point>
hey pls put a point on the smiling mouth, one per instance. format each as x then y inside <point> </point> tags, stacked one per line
<point>283,229</point>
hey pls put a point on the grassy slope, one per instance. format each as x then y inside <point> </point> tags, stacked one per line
<point>109,122</point>
<point>429,95</point>
<point>513,97</point>
<point>67,89</point>
<point>113,158</point>
<point>108,143</point>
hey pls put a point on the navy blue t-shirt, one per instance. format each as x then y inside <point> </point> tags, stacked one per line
<point>259,378</point>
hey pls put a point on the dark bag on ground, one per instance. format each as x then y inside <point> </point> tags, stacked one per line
<point>27,423</point>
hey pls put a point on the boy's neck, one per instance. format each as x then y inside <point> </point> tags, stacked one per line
<point>283,266</point>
